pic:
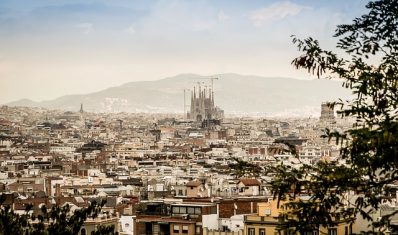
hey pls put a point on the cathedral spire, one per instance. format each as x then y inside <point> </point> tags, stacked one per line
<point>212,97</point>
<point>211,94</point>
<point>192,102</point>
<point>202,103</point>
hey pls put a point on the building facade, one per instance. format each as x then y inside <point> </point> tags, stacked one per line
<point>327,112</point>
<point>202,105</point>
<point>268,221</point>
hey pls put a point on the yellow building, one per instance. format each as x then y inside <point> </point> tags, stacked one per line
<point>267,222</point>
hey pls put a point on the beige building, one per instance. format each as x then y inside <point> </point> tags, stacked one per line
<point>92,225</point>
<point>267,222</point>
<point>249,187</point>
<point>195,188</point>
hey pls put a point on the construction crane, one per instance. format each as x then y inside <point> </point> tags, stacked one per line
<point>212,82</point>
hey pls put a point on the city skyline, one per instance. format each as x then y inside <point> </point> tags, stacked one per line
<point>199,117</point>
<point>55,48</point>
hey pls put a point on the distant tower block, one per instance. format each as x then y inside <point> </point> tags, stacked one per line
<point>327,112</point>
<point>81,108</point>
<point>120,124</point>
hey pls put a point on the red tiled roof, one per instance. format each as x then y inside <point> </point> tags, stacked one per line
<point>193,183</point>
<point>250,182</point>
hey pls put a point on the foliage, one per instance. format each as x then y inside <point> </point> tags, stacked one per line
<point>101,230</point>
<point>241,168</point>
<point>369,68</point>
<point>57,220</point>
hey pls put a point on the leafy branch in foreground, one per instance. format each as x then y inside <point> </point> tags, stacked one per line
<point>241,168</point>
<point>369,157</point>
<point>57,220</point>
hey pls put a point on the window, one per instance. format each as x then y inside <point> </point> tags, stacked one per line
<point>251,231</point>
<point>191,210</point>
<point>345,230</point>
<point>83,231</point>
<point>179,210</point>
<point>332,231</point>
<point>183,210</point>
<point>176,229</point>
<point>197,230</point>
<point>262,231</point>
<point>198,210</point>
<point>213,210</point>
<point>185,229</point>
<point>313,232</point>
<point>267,212</point>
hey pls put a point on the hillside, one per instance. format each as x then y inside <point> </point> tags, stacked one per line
<point>234,93</point>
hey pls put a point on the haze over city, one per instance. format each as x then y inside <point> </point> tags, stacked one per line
<point>53,48</point>
<point>198,117</point>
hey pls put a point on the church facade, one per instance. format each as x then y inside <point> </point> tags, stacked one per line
<point>202,105</point>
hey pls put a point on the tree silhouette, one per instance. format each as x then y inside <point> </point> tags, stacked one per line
<point>370,148</point>
<point>57,220</point>
<point>241,168</point>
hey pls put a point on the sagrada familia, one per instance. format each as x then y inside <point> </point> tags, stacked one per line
<point>202,105</point>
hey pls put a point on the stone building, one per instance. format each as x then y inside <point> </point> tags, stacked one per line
<point>202,106</point>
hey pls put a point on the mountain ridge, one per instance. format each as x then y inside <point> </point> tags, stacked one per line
<point>233,92</point>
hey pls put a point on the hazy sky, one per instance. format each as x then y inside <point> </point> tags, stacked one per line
<point>50,48</point>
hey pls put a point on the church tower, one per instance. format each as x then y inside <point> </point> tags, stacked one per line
<point>202,105</point>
